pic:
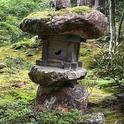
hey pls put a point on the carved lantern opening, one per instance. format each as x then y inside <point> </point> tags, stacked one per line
<point>61,51</point>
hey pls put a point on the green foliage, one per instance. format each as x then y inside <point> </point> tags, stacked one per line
<point>11,12</point>
<point>21,8</point>
<point>111,67</point>
<point>119,9</point>
<point>11,31</point>
<point>17,63</point>
<point>25,43</point>
<point>12,113</point>
<point>21,113</point>
<point>86,56</point>
<point>58,117</point>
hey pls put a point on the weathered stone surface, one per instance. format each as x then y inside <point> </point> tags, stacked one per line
<point>45,75</point>
<point>62,4</point>
<point>66,97</point>
<point>2,65</point>
<point>65,29</point>
<point>81,21</point>
<point>94,118</point>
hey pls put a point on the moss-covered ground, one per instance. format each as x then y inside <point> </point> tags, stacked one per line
<point>15,84</point>
<point>14,81</point>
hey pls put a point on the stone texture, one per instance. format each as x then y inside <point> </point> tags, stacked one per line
<point>94,118</point>
<point>62,4</point>
<point>45,75</point>
<point>62,98</point>
<point>2,65</point>
<point>88,24</point>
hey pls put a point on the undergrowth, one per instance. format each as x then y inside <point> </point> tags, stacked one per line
<point>22,113</point>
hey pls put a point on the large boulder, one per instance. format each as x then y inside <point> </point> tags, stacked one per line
<point>82,21</point>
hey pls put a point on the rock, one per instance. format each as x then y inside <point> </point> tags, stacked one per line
<point>45,75</point>
<point>66,97</point>
<point>19,85</point>
<point>82,21</point>
<point>94,118</point>
<point>62,4</point>
<point>2,65</point>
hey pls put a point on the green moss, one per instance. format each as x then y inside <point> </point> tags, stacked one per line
<point>16,87</point>
<point>81,9</point>
<point>45,15</point>
<point>14,82</point>
<point>8,52</point>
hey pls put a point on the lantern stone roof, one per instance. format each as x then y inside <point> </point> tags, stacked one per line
<point>82,21</point>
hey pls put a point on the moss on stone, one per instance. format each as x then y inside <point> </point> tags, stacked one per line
<point>81,9</point>
<point>45,15</point>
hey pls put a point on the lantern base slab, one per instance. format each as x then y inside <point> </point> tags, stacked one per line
<point>45,75</point>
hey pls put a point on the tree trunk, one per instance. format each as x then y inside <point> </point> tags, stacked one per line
<point>112,43</point>
<point>81,2</point>
<point>96,6</point>
<point>100,5</point>
<point>120,27</point>
<point>62,4</point>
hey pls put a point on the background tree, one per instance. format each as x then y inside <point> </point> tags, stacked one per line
<point>112,42</point>
<point>81,2</point>
<point>120,28</point>
<point>96,5</point>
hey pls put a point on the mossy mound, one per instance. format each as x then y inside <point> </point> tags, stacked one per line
<point>77,20</point>
<point>46,15</point>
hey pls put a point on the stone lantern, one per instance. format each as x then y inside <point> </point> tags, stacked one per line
<point>59,69</point>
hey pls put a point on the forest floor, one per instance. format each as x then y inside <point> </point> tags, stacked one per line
<point>15,84</point>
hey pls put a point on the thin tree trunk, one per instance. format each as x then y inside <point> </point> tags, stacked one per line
<point>112,43</point>
<point>120,26</point>
<point>81,2</point>
<point>96,6</point>
<point>90,3</point>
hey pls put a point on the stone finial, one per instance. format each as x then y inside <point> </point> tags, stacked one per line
<point>62,4</point>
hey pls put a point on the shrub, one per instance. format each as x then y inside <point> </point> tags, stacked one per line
<point>13,32</point>
<point>25,43</point>
<point>11,12</point>
<point>21,113</point>
<point>17,63</point>
<point>111,67</point>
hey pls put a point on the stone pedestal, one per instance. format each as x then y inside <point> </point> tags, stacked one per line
<point>58,88</point>
<point>69,96</point>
